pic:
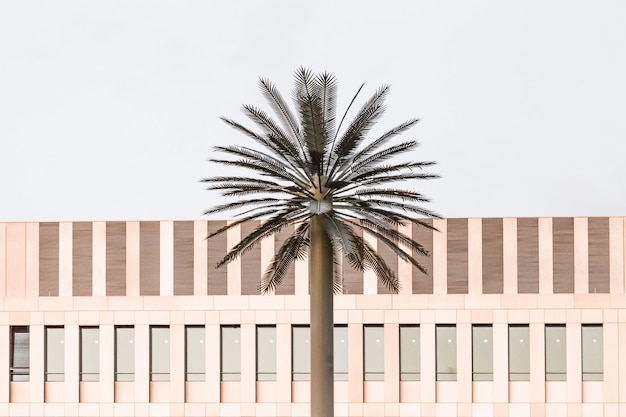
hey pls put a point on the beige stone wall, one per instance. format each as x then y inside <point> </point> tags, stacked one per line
<point>22,304</point>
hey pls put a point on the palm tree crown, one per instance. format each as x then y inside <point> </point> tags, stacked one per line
<point>307,165</point>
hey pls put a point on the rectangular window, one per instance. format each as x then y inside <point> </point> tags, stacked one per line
<point>20,353</point>
<point>231,353</point>
<point>89,354</point>
<point>446,352</point>
<point>593,352</point>
<point>482,352</point>
<point>55,353</point>
<point>159,353</point>
<point>373,353</point>
<point>301,353</point>
<point>556,359</point>
<point>124,353</point>
<point>340,347</point>
<point>519,352</point>
<point>266,353</point>
<point>409,353</point>
<point>194,353</point>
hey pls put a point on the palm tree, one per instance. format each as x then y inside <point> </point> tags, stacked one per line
<point>329,183</point>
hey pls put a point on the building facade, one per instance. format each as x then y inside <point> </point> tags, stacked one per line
<point>517,317</point>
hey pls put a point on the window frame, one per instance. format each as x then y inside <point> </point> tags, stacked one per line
<point>123,376</point>
<point>195,376</point>
<point>487,373</point>
<point>409,375</point>
<point>519,376</point>
<point>83,376</point>
<point>263,375</point>
<point>593,375</point>
<point>19,373</point>
<point>550,374</point>
<point>157,376</point>
<point>230,375</point>
<point>375,354</point>
<point>440,375</point>
<point>51,376</point>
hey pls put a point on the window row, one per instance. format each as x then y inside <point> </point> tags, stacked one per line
<point>519,354</point>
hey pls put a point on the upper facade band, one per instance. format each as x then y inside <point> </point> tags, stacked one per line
<point>567,255</point>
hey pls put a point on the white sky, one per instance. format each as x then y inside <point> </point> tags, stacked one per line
<point>108,109</point>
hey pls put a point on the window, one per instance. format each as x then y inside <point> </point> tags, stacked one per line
<point>482,352</point>
<point>124,353</point>
<point>446,352</point>
<point>159,353</point>
<point>89,354</point>
<point>266,353</point>
<point>20,353</point>
<point>519,352</point>
<point>409,353</point>
<point>556,359</point>
<point>55,353</point>
<point>194,353</point>
<point>231,353</point>
<point>301,353</point>
<point>593,352</point>
<point>340,347</point>
<point>373,353</point>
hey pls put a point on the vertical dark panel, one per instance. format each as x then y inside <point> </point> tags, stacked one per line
<point>492,256</point>
<point>423,283</point>
<point>250,263</point>
<point>392,260</point>
<point>183,258</point>
<point>288,286</point>
<point>116,258</point>
<point>82,255</point>
<point>563,252</point>
<point>48,259</point>
<point>527,256</point>
<point>457,256</point>
<point>217,281</point>
<point>599,255</point>
<point>149,258</point>
<point>352,278</point>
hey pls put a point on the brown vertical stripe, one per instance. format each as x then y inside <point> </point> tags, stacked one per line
<point>116,258</point>
<point>457,256</point>
<point>423,283</point>
<point>527,255</point>
<point>48,259</point>
<point>82,254</point>
<point>217,280</point>
<point>149,258</point>
<point>288,286</point>
<point>250,262</point>
<point>183,258</point>
<point>563,252</point>
<point>391,259</point>
<point>598,255</point>
<point>492,256</point>
<point>352,278</point>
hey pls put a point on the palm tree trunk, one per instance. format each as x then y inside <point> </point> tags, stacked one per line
<point>321,290</point>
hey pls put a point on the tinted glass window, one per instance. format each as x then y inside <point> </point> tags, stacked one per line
<point>556,358</point>
<point>89,354</point>
<point>231,353</point>
<point>409,353</point>
<point>519,353</point>
<point>159,353</point>
<point>593,353</point>
<point>446,352</point>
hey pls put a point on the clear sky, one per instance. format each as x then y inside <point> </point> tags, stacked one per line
<point>109,109</point>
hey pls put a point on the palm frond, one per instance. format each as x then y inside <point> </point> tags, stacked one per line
<point>292,248</point>
<point>306,165</point>
<point>281,109</point>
